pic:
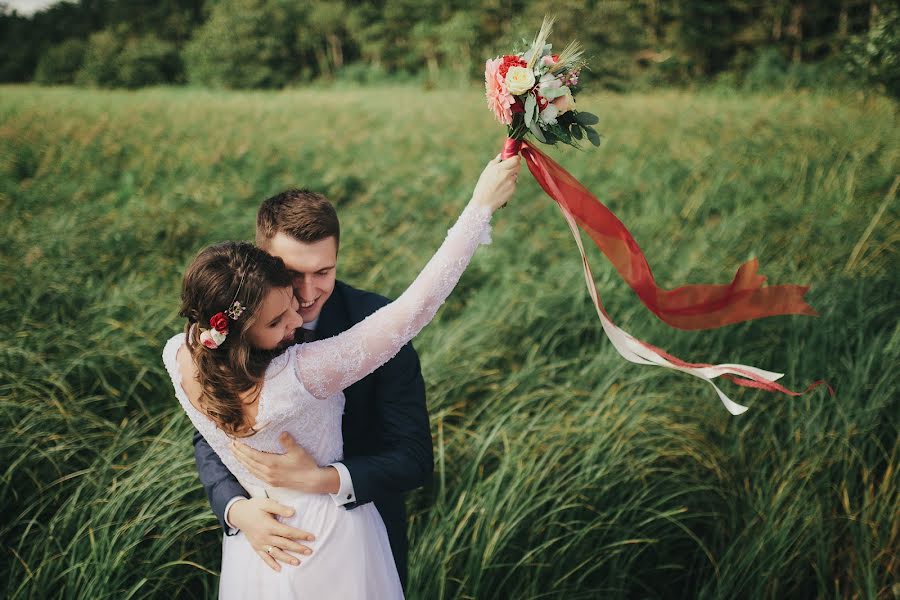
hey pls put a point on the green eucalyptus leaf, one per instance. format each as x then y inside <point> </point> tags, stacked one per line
<point>592,135</point>
<point>551,93</point>
<point>586,118</point>
<point>536,130</point>
<point>530,110</point>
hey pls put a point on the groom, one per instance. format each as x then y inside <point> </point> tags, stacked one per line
<point>387,437</point>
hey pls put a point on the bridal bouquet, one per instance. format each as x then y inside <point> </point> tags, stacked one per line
<point>533,92</point>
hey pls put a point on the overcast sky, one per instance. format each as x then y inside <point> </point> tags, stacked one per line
<point>28,7</point>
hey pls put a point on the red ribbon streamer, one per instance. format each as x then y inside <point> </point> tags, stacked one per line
<point>695,306</point>
<point>686,307</point>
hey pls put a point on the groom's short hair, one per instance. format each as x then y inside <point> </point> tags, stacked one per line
<point>303,215</point>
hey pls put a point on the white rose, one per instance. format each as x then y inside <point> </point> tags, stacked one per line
<point>548,115</point>
<point>519,80</point>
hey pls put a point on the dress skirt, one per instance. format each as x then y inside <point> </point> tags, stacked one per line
<point>351,556</point>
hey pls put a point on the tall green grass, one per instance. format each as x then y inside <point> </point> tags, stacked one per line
<point>561,470</point>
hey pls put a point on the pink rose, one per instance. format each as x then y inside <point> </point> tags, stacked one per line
<point>206,340</point>
<point>564,103</point>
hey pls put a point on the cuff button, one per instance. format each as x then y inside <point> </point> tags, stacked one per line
<point>349,496</point>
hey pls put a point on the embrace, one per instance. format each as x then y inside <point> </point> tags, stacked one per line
<point>308,400</point>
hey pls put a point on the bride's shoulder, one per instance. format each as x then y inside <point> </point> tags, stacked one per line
<point>182,369</point>
<point>172,345</point>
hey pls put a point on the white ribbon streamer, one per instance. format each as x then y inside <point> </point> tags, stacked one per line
<point>633,350</point>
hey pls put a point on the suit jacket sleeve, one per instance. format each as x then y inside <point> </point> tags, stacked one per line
<point>406,460</point>
<point>220,485</point>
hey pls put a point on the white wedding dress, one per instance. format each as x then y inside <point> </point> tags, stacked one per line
<point>302,395</point>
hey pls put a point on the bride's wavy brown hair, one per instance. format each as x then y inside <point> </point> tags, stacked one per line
<point>219,275</point>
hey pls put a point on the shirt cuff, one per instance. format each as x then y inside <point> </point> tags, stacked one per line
<point>231,528</point>
<point>345,494</point>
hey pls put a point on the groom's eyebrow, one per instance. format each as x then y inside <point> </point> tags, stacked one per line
<point>319,270</point>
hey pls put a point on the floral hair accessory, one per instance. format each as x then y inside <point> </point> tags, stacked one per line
<point>237,309</point>
<point>213,337</point>
<point>218,330</point>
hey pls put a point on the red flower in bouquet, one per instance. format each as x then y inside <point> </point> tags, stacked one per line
<point>510,60</point>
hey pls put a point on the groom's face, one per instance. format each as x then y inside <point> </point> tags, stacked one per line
<point>312,265</point>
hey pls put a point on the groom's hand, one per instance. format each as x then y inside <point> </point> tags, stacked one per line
<point>271,538</point>
<point>295,469</point>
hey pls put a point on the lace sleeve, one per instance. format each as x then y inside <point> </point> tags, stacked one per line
<point>328,366</point>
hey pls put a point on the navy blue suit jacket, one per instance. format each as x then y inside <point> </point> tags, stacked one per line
<point>387,437</point>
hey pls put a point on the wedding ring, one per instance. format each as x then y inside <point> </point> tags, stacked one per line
<point>269,550</point>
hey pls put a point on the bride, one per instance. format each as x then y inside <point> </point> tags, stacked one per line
<point>234,380</point>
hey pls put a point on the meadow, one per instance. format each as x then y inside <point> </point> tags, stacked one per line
<point>561,471</point>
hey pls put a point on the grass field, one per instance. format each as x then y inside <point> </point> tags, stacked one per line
<point>561,471</point>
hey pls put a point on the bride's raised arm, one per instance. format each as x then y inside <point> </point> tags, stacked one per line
<point>330,365</point>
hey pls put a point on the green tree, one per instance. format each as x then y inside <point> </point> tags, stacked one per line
<point>115,59</point>
<point>60,64</point>
<point>456,36</point>
<point>169,20</point>
<point>368,32</point>
<point>323,30</point>
<point>148,60</point>
<point>875,56</point>
<point>100,67</point>
<point>245,44</point>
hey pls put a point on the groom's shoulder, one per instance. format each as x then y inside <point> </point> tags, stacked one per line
<point>360,303</point>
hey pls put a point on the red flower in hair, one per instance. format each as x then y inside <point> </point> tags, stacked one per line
<point>219,322</point>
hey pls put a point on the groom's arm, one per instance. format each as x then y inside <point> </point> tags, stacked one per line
<point>220,485</point>
<point>406,460</point>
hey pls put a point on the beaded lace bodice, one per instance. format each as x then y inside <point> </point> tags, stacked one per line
<point>302,390</point>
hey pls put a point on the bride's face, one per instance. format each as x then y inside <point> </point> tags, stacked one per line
<point>277,320</point>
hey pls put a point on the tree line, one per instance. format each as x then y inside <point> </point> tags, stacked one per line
<point>276,43</point>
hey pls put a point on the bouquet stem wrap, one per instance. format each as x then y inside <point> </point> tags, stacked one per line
<point>686,307</point>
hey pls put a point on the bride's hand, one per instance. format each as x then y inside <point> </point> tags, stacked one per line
<point>269,537</point>
<point>497,182</point>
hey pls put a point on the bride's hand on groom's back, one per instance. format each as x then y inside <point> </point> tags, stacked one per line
<point>497,182</point>
<point>272,539</point>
